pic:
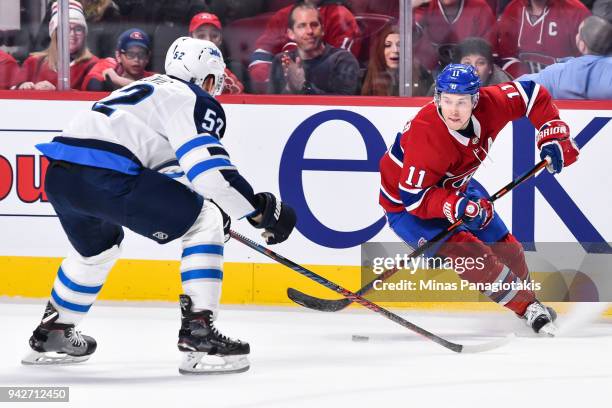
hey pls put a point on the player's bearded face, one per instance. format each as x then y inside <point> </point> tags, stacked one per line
<point>456,110</point>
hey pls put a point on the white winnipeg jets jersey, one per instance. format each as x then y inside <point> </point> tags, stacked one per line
<point>153,123</point>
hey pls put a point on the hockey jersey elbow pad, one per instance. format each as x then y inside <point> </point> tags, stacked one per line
<point>228,190</point>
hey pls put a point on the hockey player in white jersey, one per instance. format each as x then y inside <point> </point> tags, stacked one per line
<point>121,165</point>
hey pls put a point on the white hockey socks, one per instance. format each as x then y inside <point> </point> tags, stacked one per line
<point>78,282</point>
<point>202,260</point>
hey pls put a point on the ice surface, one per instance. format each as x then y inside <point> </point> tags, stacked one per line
<point>307,359</point>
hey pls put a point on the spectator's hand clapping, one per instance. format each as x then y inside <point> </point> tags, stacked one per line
<point>294,72</point>
<point>26,86</point>
<point>44,86</point>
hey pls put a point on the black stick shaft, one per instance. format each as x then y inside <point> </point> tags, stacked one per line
<point>345,292</point>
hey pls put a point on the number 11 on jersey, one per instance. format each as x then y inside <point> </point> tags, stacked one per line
<point>409,180</point>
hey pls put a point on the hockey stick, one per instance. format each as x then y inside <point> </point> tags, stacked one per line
<point>334,305</point>
<point>458,348</point>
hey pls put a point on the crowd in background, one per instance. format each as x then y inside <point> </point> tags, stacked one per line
<point>332,47</point>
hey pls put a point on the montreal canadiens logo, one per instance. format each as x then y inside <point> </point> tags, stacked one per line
<point>136,35</point>
<point>456,182</point>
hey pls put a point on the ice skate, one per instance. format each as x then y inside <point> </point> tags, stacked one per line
<point>205,350</point>
<point>58,343</point>
<point>541,319</point>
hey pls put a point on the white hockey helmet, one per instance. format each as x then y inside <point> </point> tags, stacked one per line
<point>193,60</point>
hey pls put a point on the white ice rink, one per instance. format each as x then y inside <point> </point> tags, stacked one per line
<point>307,359</point>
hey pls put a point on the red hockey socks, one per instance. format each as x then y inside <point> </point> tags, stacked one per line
<point>510,252</point>
<point>493,278</point>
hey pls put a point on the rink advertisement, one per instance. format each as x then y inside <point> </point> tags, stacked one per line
<point>321,156</point>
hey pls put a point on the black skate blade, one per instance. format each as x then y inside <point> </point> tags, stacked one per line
<point>36,358</point>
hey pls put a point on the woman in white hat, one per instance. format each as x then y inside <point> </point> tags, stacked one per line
<point>39,70</point>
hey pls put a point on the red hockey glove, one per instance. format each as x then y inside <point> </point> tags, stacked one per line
<point>476,212</point>
<point>554,142</point>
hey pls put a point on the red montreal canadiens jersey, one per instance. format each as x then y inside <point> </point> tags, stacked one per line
<point>528,44</point>
<point>429,162</point>
<point>8,70</point>
<point>97,72</point>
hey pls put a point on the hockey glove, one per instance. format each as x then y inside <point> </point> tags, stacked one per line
<point>476,212</point>
<point>554,142</point>
<point>277,218</point>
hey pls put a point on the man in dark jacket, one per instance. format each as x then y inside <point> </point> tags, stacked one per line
<point>314,67</point>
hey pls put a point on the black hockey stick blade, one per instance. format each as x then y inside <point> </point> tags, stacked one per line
<point>335,305</point>
<point>315,303</point>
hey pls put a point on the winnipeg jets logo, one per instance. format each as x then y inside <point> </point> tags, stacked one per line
<point>214,53</point>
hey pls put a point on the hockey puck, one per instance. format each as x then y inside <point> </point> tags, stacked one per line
<point>360,338</point>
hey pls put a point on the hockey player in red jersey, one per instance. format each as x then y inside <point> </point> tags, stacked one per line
<point>426,179</point>
<point>536,33</point>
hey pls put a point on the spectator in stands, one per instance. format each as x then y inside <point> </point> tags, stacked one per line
<point>385,7</point>
<point>236,9</point>
<point>535,33</point>
<point>314,67</point>
<point>132,55</point>
<point>102,16</point>
<point>382,77</point>
<point>103,25</point>
<point>8,70</point>
<point>39,70</point>
<point>441,24</point>
<point>206,26</point>
<point>477,52</point>
<point>588,76</point>
<point>340,30</point>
